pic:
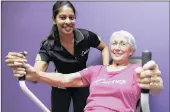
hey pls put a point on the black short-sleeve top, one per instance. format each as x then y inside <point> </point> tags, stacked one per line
<point>64,61</point>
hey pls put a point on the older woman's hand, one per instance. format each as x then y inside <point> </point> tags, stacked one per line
<point>149,77</point>
<point>26,69</point>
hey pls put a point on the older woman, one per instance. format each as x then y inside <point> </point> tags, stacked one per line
<point>113,88</point>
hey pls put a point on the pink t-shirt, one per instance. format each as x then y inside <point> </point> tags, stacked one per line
<point>111,91</point>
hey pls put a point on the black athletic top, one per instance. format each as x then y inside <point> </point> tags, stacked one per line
<point>64,61</point>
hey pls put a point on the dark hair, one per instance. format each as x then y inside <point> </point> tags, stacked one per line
<point>49,41</point>
<point>60,4</point>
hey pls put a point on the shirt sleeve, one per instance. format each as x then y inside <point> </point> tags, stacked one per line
<point>138,89</point>
<point>93,39</point>
<point>89,74</point>
<point>43,55</point>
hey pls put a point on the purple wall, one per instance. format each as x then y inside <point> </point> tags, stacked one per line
<point>25,24</point>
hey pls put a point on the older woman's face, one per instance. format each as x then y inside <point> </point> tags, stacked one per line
<point>120,49</point>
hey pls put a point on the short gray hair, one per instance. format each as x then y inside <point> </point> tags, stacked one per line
<point>130,38</point>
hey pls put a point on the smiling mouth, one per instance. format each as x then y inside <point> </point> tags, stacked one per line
<point>68,28</point>
<point>118,54</point>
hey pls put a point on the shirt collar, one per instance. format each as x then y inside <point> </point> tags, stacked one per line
<point>78,36</point>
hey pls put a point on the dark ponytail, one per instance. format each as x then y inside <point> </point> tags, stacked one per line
<point>50,40</point>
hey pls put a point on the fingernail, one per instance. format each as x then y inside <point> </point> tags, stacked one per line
<point>138,70</point>
<point>25,60</point>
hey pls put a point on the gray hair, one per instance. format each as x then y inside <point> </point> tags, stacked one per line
<point>130,38</point>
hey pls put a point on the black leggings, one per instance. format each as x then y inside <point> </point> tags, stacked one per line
<point>60,99</point>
